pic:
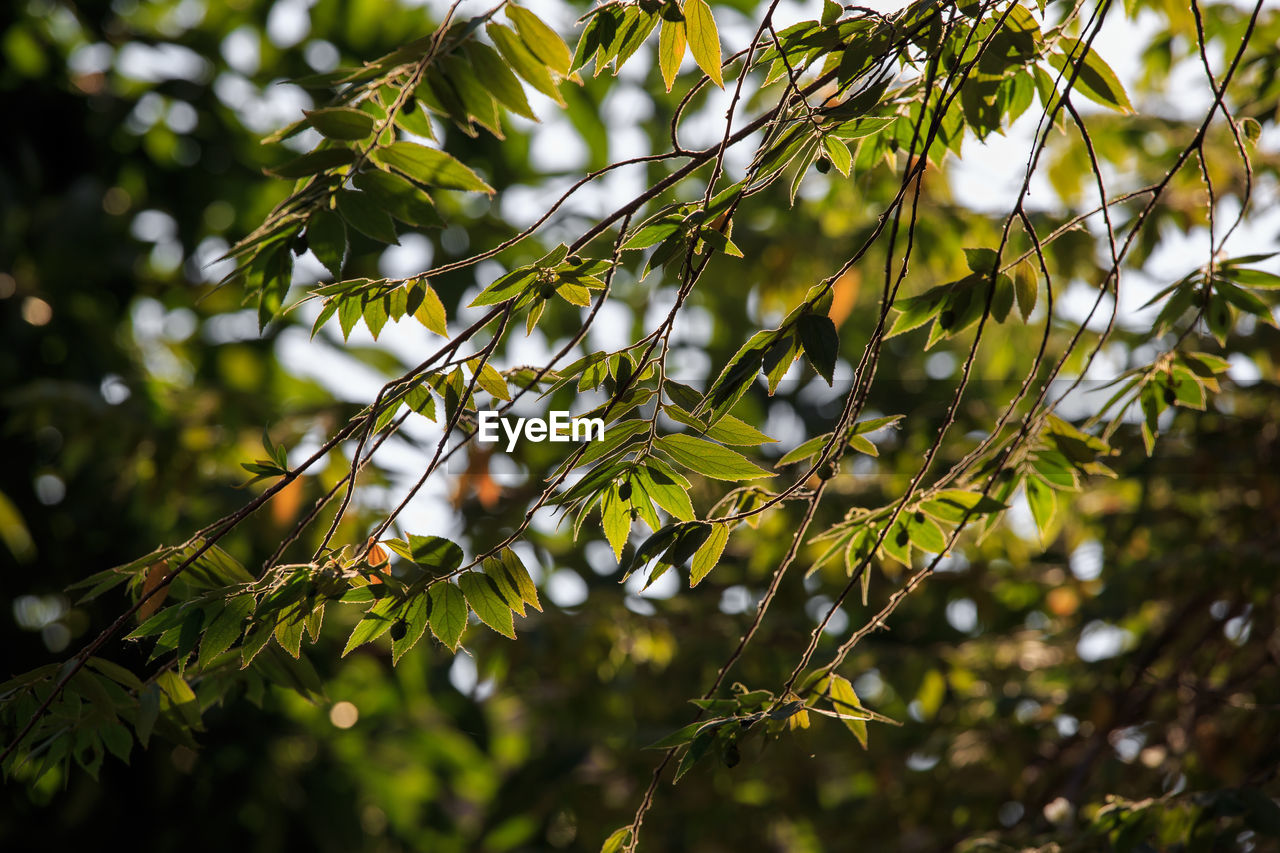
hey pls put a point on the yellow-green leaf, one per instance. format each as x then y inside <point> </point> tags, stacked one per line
<point>448,613</point>
<point>671,44</point>
<point>545,43</point>
<point>708,554</point>
<point>487,603</point>
<point>704,39</point>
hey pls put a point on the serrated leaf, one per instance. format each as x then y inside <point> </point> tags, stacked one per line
<point>545,43</point>
<point>314,162</point>
<point>448,613</point>
<point>435,553</point>
<point>1025,287</point>
<point>671,44</point>
<point>487,604</point>
<point>225,628</point>
<point>376,621</point>
<point>327,238</point>
<point>506,287</point>
<point>1095,79</point>
<point>703,38</point>
<point>709,459</point>
<point>430,311</point>
<point>494,74</point>
<point>366,216</point>
<point>952,505</point>
<point>665,491</point>
<point>342,123</point>
<point>493,569</point>
<point>845,700</point>
<point>400,198</point>
<point>708,555</point>
<point>414,615</point>
<point>820,341</point>
<point>1042,501</point>
<point>429,167</point>
<point>520,578</point>
<point>521,59</point>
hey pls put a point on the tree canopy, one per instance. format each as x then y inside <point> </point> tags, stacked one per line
<point>934,350</point>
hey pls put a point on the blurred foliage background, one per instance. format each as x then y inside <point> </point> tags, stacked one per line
<point>1131,654</point>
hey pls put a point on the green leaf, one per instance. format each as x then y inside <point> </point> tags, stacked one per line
<point>435,553</point>
<point>541,39</point>
<point>844,700</point>
<point>313,162</point>
<point>925,533</point>
<point>342,123</point>
<point>615,518</point>
<point>493,569</point>
<point>952,505</point>
<point>521,59</point>
<point>704,39</point>
<point>917,310</point>
<point>1252,278</point>
<point>225,628</point>
<point>1025,287</point>
<point>506,287</point>
<point>366,216</point>
<point>679,737</point>
<point>492,382</point>
<point>376,621</point>
<point>414,615</point>
<point>806,450</point>
<point>981,261</point>
<point>448,613</point>
<point>288,634</point>
<point>820,341</point>
<point>666,491</point>
<point>520,578</point>
<point>671,44</point>
<point>838,154</point>
<point>487,603</point>
<point>709,554</point>
<point>1095,79</point>
<point>1042,501</point>
<point>709,459</point>
<point>429,167</point>
<point>616,840</point>
<point>327,237</point>
<point>727,430</point>
<point>181,695</point>
<point>494,74</point>
<point>430,311</point>
<point>400,198</point>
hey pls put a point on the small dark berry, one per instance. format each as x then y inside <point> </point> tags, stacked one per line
<point>299,244</point>
<point>624,491</point>
<point>575,260</point>
<point>902,538</point>
<point>947,319</point>
<point>409,106</point>
<point>919,516</point>
<point>823,165</point>
<point>399,629</point>
<point>548,291</point>
<point>827,471</point>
